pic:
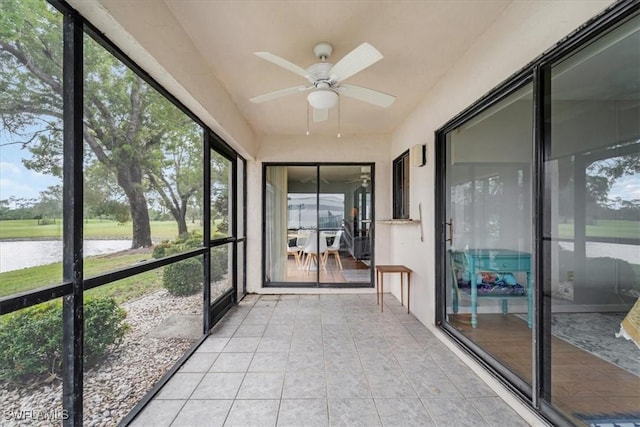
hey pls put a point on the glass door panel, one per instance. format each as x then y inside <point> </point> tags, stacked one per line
<point>489,293</point>
<point>222,225</point>
<point>318,225</point>
<point>344,221</point>
<point>592,237</point>
<point>241,283</point>
<point>291,224</point>
<point>221,196</point>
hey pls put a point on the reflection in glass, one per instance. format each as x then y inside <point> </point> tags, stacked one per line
<point>291,218</point>
<point>346,193</point>
<point>318,224</point>
<point>489,263</point>
<point>593,234</point>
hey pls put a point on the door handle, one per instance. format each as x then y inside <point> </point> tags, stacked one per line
<point>450,225</point>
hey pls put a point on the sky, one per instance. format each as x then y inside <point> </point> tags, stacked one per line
<point>626,187</point>
<point>15,179</point>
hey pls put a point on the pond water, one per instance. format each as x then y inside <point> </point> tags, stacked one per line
<point>15,255</point>
<point>629,253</point>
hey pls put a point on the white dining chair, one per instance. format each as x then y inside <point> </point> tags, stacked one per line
<point>313,253</point>
<point>295,251</point>
<point>334,249</point>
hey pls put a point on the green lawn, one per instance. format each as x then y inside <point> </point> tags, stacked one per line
<point>93,229</point>
<point>26,279</point>
<point>605,228</point>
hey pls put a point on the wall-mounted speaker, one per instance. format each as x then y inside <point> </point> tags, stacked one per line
<point>418,155</point>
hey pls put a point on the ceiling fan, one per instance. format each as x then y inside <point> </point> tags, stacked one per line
<point>364,179</point>
<point>326,79</point>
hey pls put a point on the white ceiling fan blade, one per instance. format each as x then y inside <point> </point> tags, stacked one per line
<point>357,60</point>
<point>371,96</point>
<point>278,94</point>
<point>274,59</point>
<point>320,114</point>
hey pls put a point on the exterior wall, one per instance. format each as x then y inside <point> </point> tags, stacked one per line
<point>532,28</point>
<point>302,148</point>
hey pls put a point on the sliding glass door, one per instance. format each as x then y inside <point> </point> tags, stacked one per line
<point>318,225</point>
<point>539,246</point>
<point>345,223</point>
<point>226,228</point>
<point>489,282</point>
<point>592,233</point>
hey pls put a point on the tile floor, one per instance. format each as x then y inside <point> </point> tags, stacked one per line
<point>324,360</point>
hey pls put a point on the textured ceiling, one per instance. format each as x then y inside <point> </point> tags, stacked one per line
<point>420,41</point>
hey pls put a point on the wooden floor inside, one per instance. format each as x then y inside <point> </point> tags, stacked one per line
<point>352,271</point>
<point>581,382</point>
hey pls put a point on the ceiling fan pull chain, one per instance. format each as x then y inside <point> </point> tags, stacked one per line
<point>339,119</point>
<point>307,118</point>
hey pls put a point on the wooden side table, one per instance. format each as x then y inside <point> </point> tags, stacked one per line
<point>380,270</point>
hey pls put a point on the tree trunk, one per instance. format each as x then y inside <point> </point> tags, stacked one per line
<point>177,214</point>
<point>140,221</point>
<point>130,179</point>
<point>182,224</point>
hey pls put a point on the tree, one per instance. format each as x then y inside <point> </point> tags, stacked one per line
<point>100,189</point>
<point>220,170</point>
<point>4,208</point>
<point>178,176</point>
<point>603,173</point>
<point>128,126</point>
<point>50,203</point>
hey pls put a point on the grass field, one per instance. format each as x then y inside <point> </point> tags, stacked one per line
<point>12,282</point>
<point>27,279</point>
<point>605,228</point>
<point>93,229</point>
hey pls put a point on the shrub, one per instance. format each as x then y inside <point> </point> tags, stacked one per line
<point>31,339</point>
<point>184,277</point>
<point>219,263</point>
<point>160,250</point>
<point>181,244</point>
<point>104,327</point>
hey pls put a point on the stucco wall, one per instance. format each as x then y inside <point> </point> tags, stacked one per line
<point>524,31</point>
<point>288,148</point>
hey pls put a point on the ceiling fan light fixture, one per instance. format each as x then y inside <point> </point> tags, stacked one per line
<point>323,99</point>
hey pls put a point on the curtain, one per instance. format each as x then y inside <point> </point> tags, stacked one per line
<point>276,220</point>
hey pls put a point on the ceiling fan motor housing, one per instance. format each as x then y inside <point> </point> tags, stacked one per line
<point>320,72</point>
<point>324,96</point>
<point>323,50</point>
